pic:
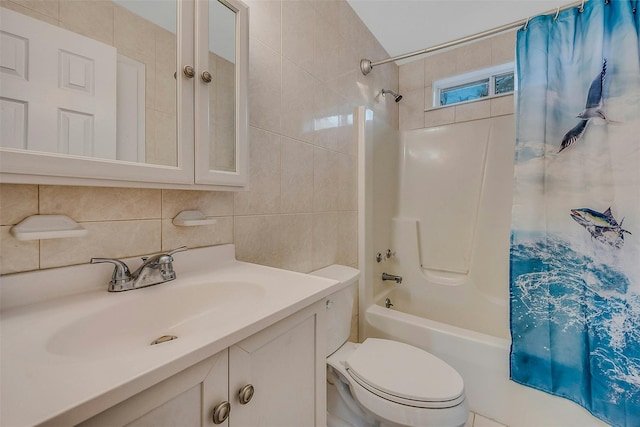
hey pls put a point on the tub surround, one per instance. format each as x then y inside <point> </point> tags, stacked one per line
<point>72,382</point>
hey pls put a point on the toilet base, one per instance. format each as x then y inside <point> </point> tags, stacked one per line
<point>340,413</point>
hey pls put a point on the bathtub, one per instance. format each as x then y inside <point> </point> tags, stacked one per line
<point>483,362</point>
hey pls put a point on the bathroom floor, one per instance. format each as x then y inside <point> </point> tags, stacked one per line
<point>476,420</point>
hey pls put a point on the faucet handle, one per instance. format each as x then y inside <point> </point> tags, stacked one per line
<point>166,258</point>
<point>121,271</point>
<point>180,249</point>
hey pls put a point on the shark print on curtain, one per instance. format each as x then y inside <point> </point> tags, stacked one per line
<point>575,240</point>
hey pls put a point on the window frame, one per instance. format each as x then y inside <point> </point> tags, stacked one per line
<point>469,78</point>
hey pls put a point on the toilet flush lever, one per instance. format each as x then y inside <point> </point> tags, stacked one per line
<point>398,279</point>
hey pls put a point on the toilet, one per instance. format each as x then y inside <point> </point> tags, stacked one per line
<point>384,383</point>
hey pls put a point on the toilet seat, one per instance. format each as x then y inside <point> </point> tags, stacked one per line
<point>405,374</point>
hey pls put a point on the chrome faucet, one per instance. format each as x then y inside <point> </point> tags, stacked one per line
<point>153,271</point>
<point>398,279</point>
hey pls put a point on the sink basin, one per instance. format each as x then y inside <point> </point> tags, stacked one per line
<point>133,320</point>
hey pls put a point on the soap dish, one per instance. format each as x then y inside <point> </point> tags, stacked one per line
<point>192,218</point>
<point>39,227</point>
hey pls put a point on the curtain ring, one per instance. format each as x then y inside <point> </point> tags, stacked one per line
<point>581,7</point>
<point>526,24</point>
<point>555,18</point>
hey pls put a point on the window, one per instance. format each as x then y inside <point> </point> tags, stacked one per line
<point>488,82</point>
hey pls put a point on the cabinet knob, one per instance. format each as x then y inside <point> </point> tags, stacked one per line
<point>221,412</point>
<point>189,71</point>
<point>206,77</point>
<point>245,394</point>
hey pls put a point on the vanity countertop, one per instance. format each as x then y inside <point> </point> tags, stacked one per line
<point>70,349</point>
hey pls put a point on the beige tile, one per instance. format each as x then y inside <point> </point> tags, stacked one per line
<point>93,19</point>
<point>134,36</point>
<point>503,48</point>
<point>473,111</point>
<point>100,203</point>
<point>353,336</point>
<point>265,84</point>
<point>330,50</point>
<point>348,238</point>
<point>43,10</point>
<point>266,22</point>
<point>411,76</point>
<point>439,117</point>
<point>210,203</point>
<point>258,239</point>
<point>350,25</point>
<point>165,67</point>
<point>439,65</point>
<point>412,109</point>
<point>150,87</point>
<point>150,136</point>
<point>473,56</point>
<point>16,255</point>
<point>502,106</point>
<point>325,239</point>
<point>469,422</point>
<point>297,176</point>
<point>297,102</point>
<point>17,201</point>
<point>166,139</point>
<point>298,32</point>
<point>329,10</point>
<point>328,118</point>
<point>480,421</point>
<point>113,239</point>
<point>347,142</point>
<point>297,242</point>
<point>347,185</point>
<point>197,236</point>
<point>326,179</point>
<point>263,196</point>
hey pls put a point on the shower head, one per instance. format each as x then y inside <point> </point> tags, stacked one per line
<point>397,97</point>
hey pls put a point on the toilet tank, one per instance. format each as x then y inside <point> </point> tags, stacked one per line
<point>339,304</point>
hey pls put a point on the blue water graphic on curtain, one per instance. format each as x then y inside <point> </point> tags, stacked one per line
<point>575,240</point>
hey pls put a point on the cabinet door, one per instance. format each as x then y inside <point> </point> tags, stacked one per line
<point>185,399</point>
<point>282,365</point>
<point>221,155</point>
<point>98,105</point>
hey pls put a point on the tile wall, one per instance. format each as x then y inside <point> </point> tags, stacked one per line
<point>300,210</point>
<point>416,80</point>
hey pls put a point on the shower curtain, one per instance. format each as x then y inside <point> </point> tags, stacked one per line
<point>575,240</point>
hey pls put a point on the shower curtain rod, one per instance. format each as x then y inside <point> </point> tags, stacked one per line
<point>366,65</point>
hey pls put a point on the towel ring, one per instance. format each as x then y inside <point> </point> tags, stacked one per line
<point>526,24</point>
<point>555,18</point>
<point>581,7</point>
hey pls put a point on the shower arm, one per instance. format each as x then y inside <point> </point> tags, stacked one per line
<point>366,65</point>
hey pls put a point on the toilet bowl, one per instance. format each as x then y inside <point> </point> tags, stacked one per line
<point>383,382</point>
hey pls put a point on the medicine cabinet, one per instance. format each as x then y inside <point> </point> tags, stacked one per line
<point>125,93</point>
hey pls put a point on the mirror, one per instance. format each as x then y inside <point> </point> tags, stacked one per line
<point>97,79</point>
<point>222,93</point>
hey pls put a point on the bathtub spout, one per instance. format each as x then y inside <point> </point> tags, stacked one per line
<point>398,279</point>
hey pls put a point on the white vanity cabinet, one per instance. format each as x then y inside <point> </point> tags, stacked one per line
<point>163,103</point>
<point>284,364</point>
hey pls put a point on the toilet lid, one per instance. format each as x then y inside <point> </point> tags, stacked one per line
<point>404,373</point>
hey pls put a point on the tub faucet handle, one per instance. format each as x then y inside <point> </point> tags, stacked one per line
<point>397,279</point>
